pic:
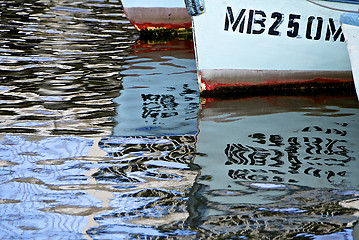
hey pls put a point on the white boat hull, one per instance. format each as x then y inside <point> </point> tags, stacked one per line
<point>246,43</point>
<point>350,26</point>
<point>145,14</point>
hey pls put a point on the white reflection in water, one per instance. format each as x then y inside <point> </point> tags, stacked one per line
<point>272,158</point>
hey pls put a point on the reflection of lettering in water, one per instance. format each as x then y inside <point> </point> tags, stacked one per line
<point>158,106</point>
<point>272,158</point>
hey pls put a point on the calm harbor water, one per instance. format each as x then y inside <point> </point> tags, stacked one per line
<point>103,136</point>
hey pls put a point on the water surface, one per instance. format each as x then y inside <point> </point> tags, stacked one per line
<point>278,167</point>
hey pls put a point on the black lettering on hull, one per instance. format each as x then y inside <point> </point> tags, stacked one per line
<point>255,22</point>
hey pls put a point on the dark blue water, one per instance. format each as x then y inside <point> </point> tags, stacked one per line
<point>103,136</point>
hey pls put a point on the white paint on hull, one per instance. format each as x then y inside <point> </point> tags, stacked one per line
<point>277,49</point>
<point>145,14</point>
<point>352,40</point>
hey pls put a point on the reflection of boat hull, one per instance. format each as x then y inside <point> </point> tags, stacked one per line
<point>350,26</point>
<point>145,14</point>
<point>270,165</point>
<point>160,94</point>
<point>264,158</point>
<point>270,43</point>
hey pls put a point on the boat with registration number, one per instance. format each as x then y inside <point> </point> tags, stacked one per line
<point>168,14</point>
<point>269,43</point>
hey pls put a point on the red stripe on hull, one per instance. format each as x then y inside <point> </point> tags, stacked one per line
<point>144,18</point>
<point>210,80</point>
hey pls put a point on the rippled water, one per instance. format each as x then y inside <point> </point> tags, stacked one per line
<point>284,167</point>
<point>61,65</point>
<point>103,136</point>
